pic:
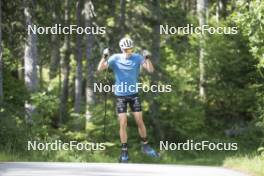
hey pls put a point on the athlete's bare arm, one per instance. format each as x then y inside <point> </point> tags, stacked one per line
<point>102,64</point>
<point>147,65</point>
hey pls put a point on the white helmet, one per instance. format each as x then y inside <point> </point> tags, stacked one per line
<point>126,43</point>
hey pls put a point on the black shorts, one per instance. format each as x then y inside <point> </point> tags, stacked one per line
<point>132,100</point>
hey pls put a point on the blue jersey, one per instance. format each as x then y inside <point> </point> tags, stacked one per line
<point>126,72</point>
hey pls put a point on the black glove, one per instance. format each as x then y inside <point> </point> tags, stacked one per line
<point>106,52</point>
<point>146,54</point>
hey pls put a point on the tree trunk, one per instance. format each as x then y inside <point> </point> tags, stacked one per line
<point>88,15</point>
<point>89,78</point>
<point>156,58</point>
<point>112,7</point>
<point>30,62</point>
<point>184,5</point>
<point>156,33</point>
<point>202,8</point>
<point>65,69</point>
<point>217,11</point>
<point>122,17</point>
<point>1,59</point>
<point>40,71</point>
<point>78,78</point>
<point>55,45</point>
<point>192,7</point>
<point>220,10</point>
<point>113,39</point>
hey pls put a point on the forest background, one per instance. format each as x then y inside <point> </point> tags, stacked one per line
<point>46,81</point>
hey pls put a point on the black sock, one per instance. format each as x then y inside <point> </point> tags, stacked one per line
<point>124,146</point>
<point>144,140</point>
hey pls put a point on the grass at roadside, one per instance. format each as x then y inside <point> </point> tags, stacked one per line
<point>252,164</point>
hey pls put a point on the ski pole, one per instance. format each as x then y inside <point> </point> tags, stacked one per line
<point>106,53</point>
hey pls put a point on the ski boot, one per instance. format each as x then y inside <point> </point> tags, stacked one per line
<point>149,151</point>
<point>123,157</point>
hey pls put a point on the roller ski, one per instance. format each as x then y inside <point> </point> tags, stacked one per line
<point>146,149</point>
<point>123,157</point>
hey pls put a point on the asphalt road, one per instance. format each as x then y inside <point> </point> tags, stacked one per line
<point>106,169</point>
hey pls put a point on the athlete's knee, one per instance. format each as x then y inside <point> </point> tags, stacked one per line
<point>123,125</point>
<point>123,121</point>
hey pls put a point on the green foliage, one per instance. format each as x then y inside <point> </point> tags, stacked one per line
<point>230,96</point>
<point>261,151</point>
<point>249,163</point>
<point>250,19</point>
<point>46,105</point>
<point>234,83</point>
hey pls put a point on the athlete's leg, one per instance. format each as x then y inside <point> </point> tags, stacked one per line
<point>141,126</point>
<point>122,127</point>
<point>135,105</point>
<point>121,110</point>
<point>143,134</point>
<point>121,106</point>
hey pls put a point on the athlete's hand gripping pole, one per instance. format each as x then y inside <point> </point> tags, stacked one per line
<point>103,62</point>
<point>146,54</point>
<point>147,64</point>
<point>106,53</point>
